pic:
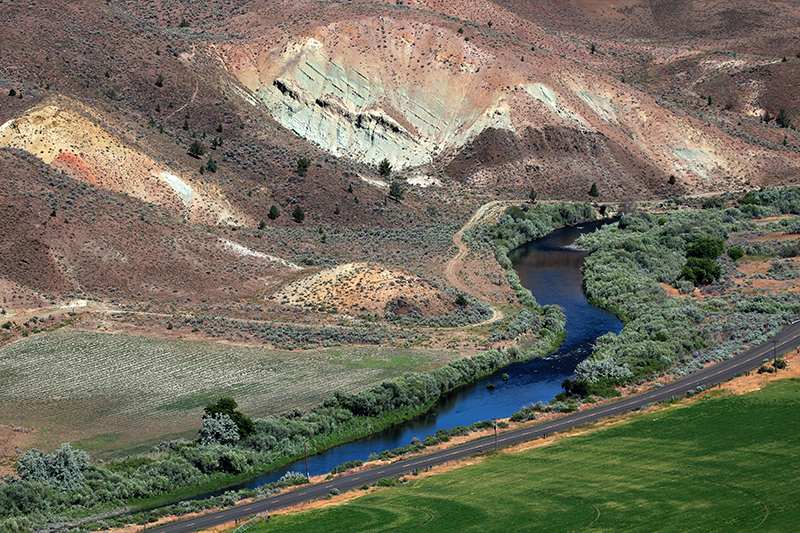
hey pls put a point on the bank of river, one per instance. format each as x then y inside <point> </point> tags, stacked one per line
<point>551,269</point>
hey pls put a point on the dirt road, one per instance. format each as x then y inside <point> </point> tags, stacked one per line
<point>485,212</point>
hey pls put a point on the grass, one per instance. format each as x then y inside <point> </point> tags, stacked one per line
<point>719,464</point>
<point>115,394</point>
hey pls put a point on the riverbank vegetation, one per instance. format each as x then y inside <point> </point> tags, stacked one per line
<point>224,453</point>
<point>632,264</point>
<point>719,464</point>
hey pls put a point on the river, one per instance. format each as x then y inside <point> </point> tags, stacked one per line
<point>551,269</point>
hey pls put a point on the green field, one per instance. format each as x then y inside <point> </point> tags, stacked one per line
<point>114,394</point>
<point>720,464</point>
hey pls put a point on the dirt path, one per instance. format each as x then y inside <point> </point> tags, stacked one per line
<point>451,268</point>
<point>184,106</point>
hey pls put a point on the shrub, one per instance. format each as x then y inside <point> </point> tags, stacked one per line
<point>219,428</point>
<point>62,470</point>
<point>735,253</point>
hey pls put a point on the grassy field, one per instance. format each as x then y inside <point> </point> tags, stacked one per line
<point>113,394</point>
<point>719,464</point>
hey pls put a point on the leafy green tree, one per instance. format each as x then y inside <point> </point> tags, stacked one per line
<point>593,190</point>
<point>197,149</point>
<point>298,214</point>
<point>701,270</point>
<point>700,267</point>
<point>461,300</point>
<point>396,190</point>
<point>706,248</point>
<point>303,165</point>
<point>274,212</point>
<point>385,168</point>
<point>227,406</point>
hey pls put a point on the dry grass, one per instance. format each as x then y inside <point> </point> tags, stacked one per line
<point>110,394</point>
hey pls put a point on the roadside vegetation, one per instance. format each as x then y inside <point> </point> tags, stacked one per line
<point>719,464</point>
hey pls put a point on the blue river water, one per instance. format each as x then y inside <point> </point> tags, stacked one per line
<point>552,272</point>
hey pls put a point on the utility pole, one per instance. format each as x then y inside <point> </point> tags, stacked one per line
<point>495,433</point>
<point>305,449</point>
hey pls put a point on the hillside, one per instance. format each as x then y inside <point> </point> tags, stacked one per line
<point>180,161</point>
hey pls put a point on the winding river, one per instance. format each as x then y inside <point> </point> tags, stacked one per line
<point>551,269</point>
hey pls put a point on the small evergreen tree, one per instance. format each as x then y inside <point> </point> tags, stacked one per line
<point>303,165</point>
<point>593,190</point>
<point>197,149</point>
<point>298,214</point>
<point>211,166</point>
<point>385,168</point>
<point>274,212</point>
<point>160,81</point>
<point>532,195</point>
<point>783,120</point>
<point>396,190</point>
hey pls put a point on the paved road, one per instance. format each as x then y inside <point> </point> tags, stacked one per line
<point>787,339</point>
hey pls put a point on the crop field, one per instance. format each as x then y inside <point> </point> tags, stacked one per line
<point>719,464</point>
<point>112,394</point>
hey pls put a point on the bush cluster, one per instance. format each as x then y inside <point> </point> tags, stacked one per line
<point>630,260</point>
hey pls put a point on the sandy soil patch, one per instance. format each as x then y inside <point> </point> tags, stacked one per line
<point>357,288</point>
<point>12,439</point>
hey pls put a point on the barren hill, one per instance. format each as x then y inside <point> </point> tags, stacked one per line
<point>469,100</point>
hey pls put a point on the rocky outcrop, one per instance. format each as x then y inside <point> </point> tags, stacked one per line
<point>369,105</point>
